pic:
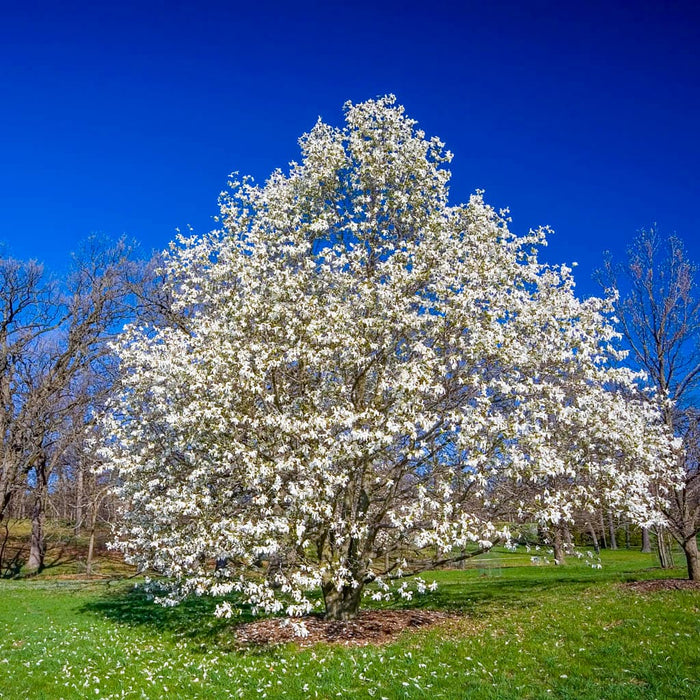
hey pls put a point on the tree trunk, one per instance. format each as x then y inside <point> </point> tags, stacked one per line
<point>5,538</point>
<point>91,542</point>
<point>6,498</point>
<point>342,604</point>
<point>646,541</point>
<point>37,545</point>
<point>78,499</point>
<point>663,548</point>
<point>690,549</point>
<point>602,530</point>
<point>90,552</point>
<point>596,546</point>
<point>559,553</point>
<point>611,527</point>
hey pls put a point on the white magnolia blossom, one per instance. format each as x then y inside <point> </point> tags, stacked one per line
<point>361,370</point>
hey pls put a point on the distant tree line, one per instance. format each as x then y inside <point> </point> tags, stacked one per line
<point>56,372</point>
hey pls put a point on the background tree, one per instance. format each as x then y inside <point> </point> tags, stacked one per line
<point>355,369</point>
<point>55,357</point>
<point>28,310</point>
<point>659,312</point>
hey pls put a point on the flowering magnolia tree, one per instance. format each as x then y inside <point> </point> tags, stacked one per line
<point>359,373</point>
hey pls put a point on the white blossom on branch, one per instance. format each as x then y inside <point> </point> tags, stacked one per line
<point>361,372</point>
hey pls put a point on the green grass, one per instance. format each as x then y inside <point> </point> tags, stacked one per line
<point>66,552</point>
<point>525,632</point>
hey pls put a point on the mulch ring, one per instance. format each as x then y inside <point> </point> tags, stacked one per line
<point>663,584</point>
<point>370,627</point>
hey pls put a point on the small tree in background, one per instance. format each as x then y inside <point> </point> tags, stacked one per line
<point>357,373</point>
<point>659,312</point>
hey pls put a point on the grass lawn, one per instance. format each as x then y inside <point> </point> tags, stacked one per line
<point>524,631</point>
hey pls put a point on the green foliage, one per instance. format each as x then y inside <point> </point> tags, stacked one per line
<point>531,632</point>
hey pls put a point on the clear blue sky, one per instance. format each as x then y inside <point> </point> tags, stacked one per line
<point>126,117</point>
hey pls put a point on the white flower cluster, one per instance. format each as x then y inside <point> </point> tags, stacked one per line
<point>358,370</point>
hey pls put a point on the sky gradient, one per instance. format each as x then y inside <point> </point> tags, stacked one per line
<point>127,118</point>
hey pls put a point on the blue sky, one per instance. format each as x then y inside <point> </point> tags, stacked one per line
<point>126,118</point>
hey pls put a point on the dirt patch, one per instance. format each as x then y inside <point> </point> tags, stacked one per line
<point>663,584</point>
<point>370,627</point>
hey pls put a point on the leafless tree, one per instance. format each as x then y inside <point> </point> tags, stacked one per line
<point>55,367</point>
<point>659,311</point>
<point>28,310</point>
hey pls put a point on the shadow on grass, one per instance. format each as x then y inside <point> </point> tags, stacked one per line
<point>477,593</point>
<point>478,597</point>
<point>193,619</point>
<point>64,553</point>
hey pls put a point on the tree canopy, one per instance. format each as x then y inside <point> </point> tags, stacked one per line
<point>356,372</point>
<point>659,311</point>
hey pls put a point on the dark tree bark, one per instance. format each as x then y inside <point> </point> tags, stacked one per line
<point>664,549</point>
<point>594,537</point>
<point>343,604</point>
<point>37,544</point>
<point>559,550</point>
<point>690,549</point>
<point>611,527</point>
<point>602,530</point>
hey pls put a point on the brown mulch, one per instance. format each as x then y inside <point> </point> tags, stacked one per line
<point>370,627</point>
<point>663,584</point>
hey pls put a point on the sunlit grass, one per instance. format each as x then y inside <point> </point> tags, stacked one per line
<point>523,631</point>
<point>66,552</point>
